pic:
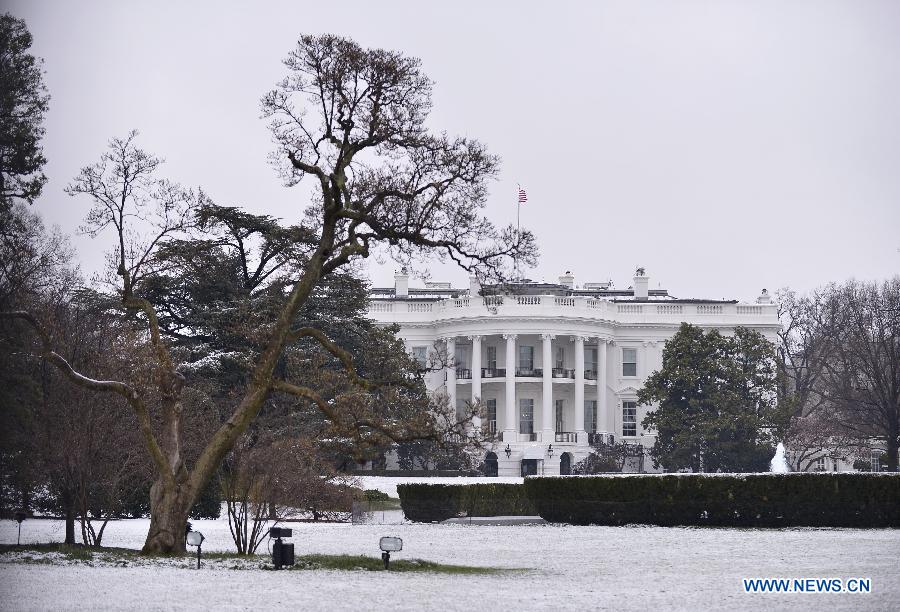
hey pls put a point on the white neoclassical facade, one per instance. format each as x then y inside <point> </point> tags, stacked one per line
<point>556,366</point>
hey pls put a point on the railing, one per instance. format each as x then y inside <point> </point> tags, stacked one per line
<point>461,302</point>
<point>566,436</point>
<point>527,437</point>
<point>463,373</point>
<point>563,373</point>
<point>594,303</point>
<point>381,307</point>
<point>564,301</point>
<point>709,309</point>
<point>493,372</point>
<point>419,307</point>
<point>493,300</point>
<point>528,300</point>
<point>754,310</point>
<point>668,309</point>
<point>530,372</point>
<point>629,308</point>
<point>590,374</point>
<point>601,438</point>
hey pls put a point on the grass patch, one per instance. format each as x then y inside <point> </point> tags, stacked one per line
<point>374,564</point>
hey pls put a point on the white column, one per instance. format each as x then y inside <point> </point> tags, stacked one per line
<point>451,372</point>
<point>547,391</point>
<point>476,376</point>
<point>579,388</point>
<point>603,416</point>
<point>510,425</point>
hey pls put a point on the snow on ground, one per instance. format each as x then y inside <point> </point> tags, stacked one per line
<point>569,568</point>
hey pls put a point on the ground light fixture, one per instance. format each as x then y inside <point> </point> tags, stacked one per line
<point>508,450</point>
<point>282,554</point>
<point>21,515</point>
<point>195,538</point>
<point>389,544</point>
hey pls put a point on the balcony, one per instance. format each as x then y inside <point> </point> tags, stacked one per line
<point>590,374</point>
<point>493,372</point>
<point>527,437</point>
<point>530,372</point>
<point>463,373</point>
<point>563,373</point>
<point>601,438</point>
<point>566,436</point>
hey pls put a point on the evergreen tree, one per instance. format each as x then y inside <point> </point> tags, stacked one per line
<point>717,402</point>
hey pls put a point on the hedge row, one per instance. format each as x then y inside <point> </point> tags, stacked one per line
<point>427,503</point>
<point>733,500</point>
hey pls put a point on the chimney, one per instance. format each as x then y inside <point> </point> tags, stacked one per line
<point>764,297</point>
<point>474,286</point>
<point>401,283</point>
<point>567,280</point>
<point>641,284</point>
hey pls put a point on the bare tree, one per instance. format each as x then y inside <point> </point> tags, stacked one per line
<point>353,121</point>
<point>840,366</point>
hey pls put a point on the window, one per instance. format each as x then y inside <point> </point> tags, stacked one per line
<point>526,416</point>
<point>492,415</point>
<point>492,358</point>
<point>560,357</point>
<point>590,359</point>
<point>459,356</point>
<point>420,354</point>
<point>629,418</point>
<point>526,357</point>
<point>629,362</point>
<point>875,460</point>
<point>820,465</point>
<point>560,415</point>
<point>590,416</point>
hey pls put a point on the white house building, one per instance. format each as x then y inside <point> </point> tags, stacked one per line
<point>557,366</point>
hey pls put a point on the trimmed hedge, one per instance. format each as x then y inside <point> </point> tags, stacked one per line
<point>428,503</point>
<point>728,500</point>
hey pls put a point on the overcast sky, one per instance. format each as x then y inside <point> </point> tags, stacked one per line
<point>724,146</point>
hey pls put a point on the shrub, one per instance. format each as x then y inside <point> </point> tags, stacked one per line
<point>374,495</point>
<point>427,503</point>
<point>733,500</point>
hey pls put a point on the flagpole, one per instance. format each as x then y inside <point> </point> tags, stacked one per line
<point>518,231</point>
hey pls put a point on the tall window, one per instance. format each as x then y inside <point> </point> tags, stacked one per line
<point>560,415</point>
<point>420,354</point>
<point>590,416</point>
<point>560,357</point>
<point>590,359</point>
<point>526,357</point>
<point>629,418</point>
<point>459,356</point>
<point>492,415</point>
<point>492,357</point>
<point>629,362</point>
<point>526,416</point>
<point>820,465</point>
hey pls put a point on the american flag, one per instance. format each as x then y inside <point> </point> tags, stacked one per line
<point>523,197</point>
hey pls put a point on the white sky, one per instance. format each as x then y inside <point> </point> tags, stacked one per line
<point>724,146</point>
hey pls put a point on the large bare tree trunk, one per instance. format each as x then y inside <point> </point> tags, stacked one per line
<point>169,510</point>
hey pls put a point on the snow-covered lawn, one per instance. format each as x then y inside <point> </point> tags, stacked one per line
<point>571,568</point>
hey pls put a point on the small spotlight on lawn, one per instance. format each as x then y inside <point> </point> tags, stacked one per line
<point>282,554</point>
<point>21,515</point>
<point>388,545</point>
<point>195,538</point>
